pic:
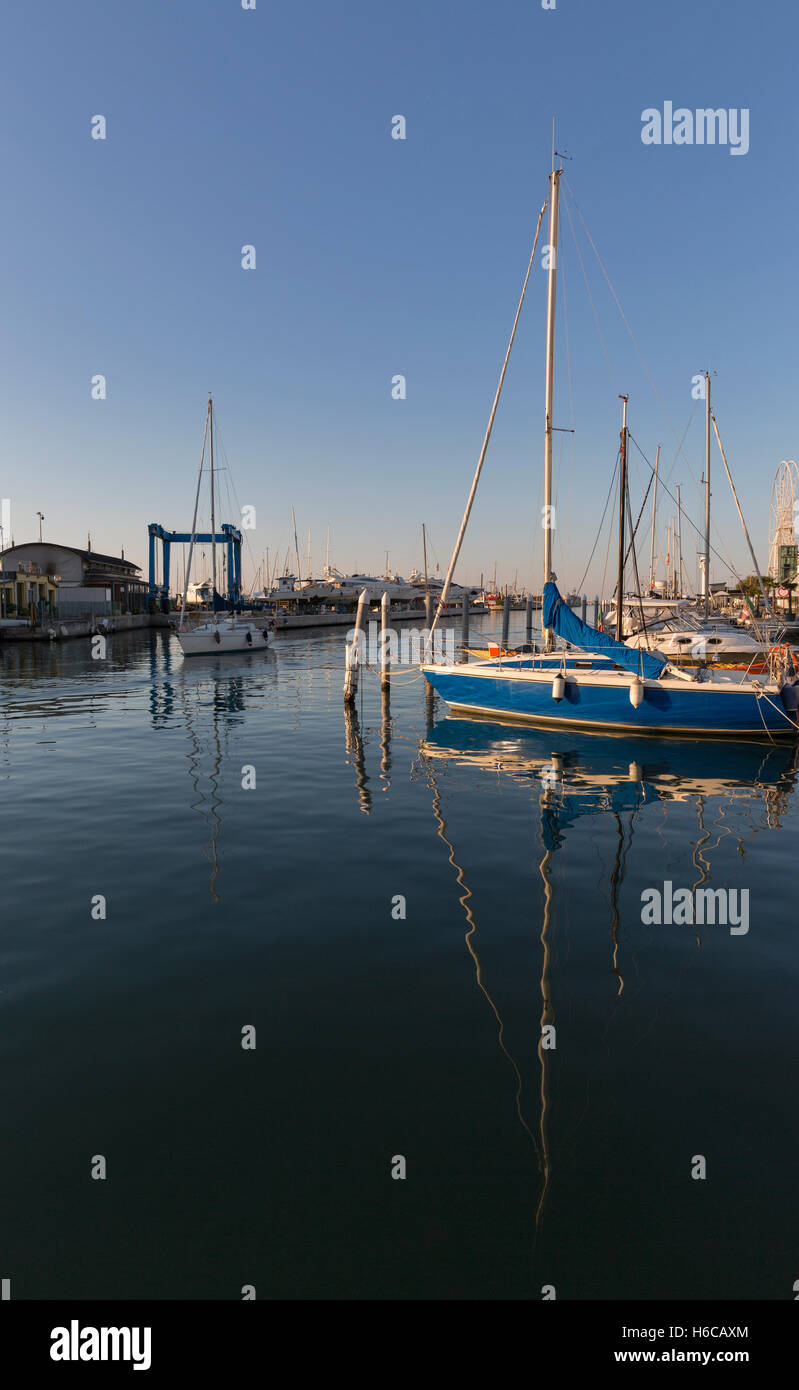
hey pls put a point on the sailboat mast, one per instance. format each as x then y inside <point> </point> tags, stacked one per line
<point>213,513</point>
<point>707,494</point>
<point>187,575</point>
<point>622,505</point>
<point>554,180</point>
<point>654,514</point>
<point>296,543</point>
<point>679,545</point>
<point>424,547</point>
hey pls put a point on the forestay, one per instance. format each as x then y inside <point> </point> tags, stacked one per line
<point>564,621</point>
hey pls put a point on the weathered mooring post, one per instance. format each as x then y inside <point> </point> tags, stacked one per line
<point>385,660</point>
<point>528,619</point>
<point>505,619</point>
<point>596,611</point>
<point>428,611</point>
<point>353,649</point>
<point>584,608</point>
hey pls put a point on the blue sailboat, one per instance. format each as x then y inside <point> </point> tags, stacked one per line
<point>614,687</point>
<point>606,684</point>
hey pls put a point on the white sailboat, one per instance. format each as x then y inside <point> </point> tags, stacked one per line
<point>221,633</point>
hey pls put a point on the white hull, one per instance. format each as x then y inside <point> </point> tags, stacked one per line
<point>210,639</point>
<point>700,644</point>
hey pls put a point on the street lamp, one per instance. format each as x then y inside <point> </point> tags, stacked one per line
<point>41,519</point>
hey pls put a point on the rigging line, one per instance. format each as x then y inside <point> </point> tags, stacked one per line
<point>634,529</point>
<point>230,484</point>
<point>459,542</point>
<point>635,564</point>
<point>579,588</point>
<point>694,479</point>
<point>725,560</point>
<point>607,551</point>
<point>590,296</point>
<point>624,316</point>
<point>193,525</point>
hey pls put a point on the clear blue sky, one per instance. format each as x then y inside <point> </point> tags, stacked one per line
<point>376,256</point>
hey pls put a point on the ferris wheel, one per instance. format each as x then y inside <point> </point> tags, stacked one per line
<point>783,523</point>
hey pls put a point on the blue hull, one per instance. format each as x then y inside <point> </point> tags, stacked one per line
<point>667,708</point>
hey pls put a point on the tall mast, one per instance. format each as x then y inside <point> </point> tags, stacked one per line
<point>424,547</point>
<point>296,543</point>
<point>187,575</point>
<point>679,545</point>
<point>654,514</point>
<point>707,493</point>
<point>622,505</point>
<point>213,513</point>
<point>554,180</point>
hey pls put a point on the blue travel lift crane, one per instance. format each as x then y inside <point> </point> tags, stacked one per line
<point>158,594</point>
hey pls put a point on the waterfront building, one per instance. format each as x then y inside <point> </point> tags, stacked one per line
<point>86,580</point>
<point>23,586</point>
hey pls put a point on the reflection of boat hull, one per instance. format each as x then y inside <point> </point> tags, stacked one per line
<point>209,639</point>
<point>601,701</point>
<point>674,769</point>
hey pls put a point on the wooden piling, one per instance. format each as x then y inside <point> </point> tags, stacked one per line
<point>352,658</point>
<point>385,660</point>
<point>505,619</point>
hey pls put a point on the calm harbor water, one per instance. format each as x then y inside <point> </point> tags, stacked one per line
<point>521,855</point>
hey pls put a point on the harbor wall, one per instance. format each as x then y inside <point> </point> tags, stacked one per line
<point>57,630</point>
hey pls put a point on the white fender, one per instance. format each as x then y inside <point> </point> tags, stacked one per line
<point>558,688</point>
<point>636,692</point>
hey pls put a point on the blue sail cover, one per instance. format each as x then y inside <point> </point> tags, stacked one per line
<point>564,621</point>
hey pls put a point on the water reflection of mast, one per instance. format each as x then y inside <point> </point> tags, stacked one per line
<point>547,1011</point>
<point>616,879</point>
<point>211,817</point>
<point>465,902</point>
